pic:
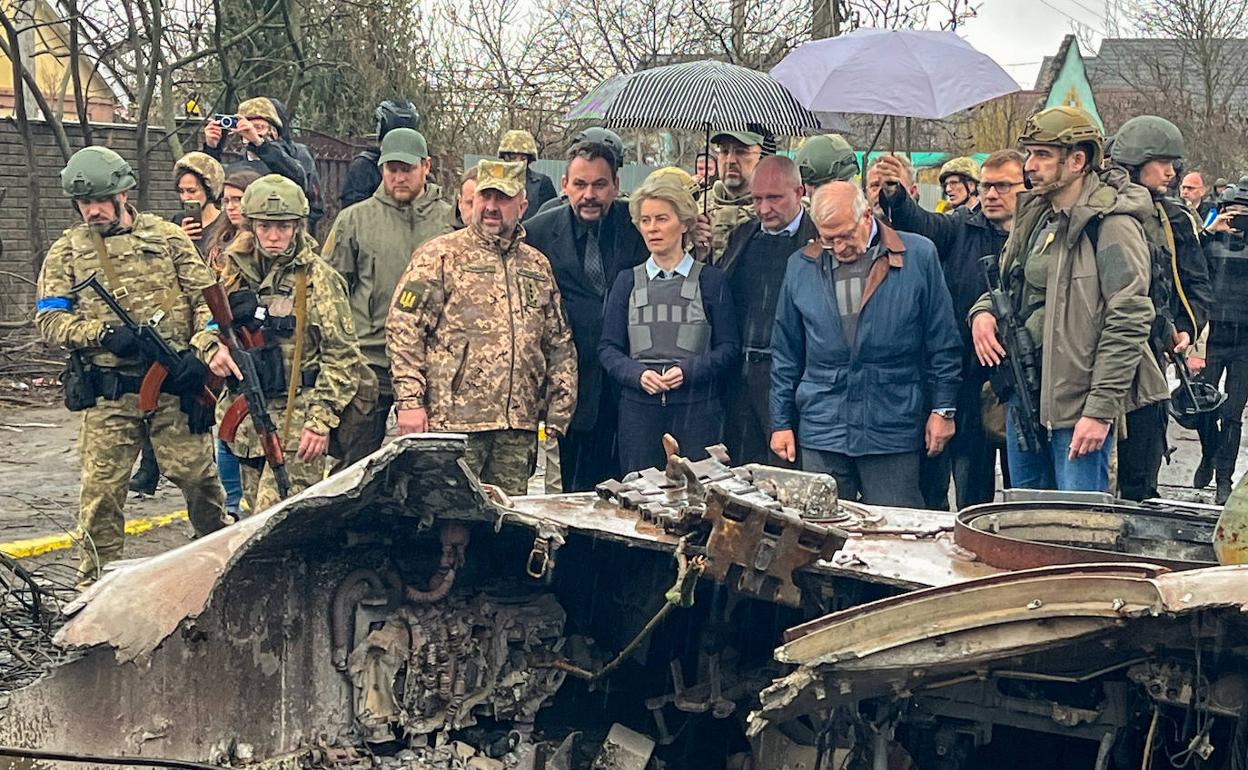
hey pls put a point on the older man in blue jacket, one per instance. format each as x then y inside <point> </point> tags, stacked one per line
<point>866,356</point>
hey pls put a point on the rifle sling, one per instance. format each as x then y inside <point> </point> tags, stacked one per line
<point>301,325</point>
<point>111,281</point>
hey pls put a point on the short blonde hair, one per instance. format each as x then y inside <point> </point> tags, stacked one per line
<point>665,187</point>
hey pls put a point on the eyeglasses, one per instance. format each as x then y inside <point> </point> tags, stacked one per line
<point>1000,187</point>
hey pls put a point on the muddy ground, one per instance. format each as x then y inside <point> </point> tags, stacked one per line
<point>39,482</point>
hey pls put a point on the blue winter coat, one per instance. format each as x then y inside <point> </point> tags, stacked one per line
<point>876,397</point>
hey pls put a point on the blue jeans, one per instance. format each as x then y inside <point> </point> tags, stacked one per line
<point>231,477</point>
<point>1049,467</point>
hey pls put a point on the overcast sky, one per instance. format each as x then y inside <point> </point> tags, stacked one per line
<point>1019,33</point>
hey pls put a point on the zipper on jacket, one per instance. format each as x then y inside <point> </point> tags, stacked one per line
<point>511,320</point>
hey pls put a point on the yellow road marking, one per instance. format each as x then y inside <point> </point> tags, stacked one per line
<point>37,546</point>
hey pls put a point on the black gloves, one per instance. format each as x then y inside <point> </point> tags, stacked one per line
<point>121,342</point>
<point>243,306</point>
<point>188,376</point>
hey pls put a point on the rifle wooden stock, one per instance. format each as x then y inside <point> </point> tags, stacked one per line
<point>149,390</point>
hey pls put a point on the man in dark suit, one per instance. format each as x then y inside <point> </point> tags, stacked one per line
<point>755,258</point>
<point>588,241</point>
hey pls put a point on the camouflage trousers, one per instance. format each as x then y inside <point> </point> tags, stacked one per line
<point>111,436</point>
<point>504,458</point>
<point>260,487</point>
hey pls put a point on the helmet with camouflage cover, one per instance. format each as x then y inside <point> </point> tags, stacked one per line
<point>520,142</point>
<point>827,158</point>
<point>206,168</point>
<point>96,172</point>
<point>605,136</point>
<point>677,174</point>
<point>260,107</point>
<point>1144,138</point>
<point>964,167</point>
<point>274,197</point>
<point>1065,126</point>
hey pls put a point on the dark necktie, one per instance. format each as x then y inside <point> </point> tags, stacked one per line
<point>594,270</point>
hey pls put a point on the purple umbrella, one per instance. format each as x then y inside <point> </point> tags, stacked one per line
<point>895,72</point>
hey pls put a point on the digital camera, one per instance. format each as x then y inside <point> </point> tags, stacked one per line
<point>228,122</point>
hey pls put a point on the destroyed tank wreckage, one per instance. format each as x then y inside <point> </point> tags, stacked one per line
<point>402,616</point>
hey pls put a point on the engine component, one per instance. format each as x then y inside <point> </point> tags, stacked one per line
<point>433,667</point>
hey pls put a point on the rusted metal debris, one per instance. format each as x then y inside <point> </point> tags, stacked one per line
<point>1026,535</point>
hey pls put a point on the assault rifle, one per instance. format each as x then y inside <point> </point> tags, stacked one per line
<point>154,347</point>
<point>1017,379</point>
<point>251,401</point>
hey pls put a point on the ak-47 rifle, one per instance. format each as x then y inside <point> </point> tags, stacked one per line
<point>1017,379</point>
<point>251,400</point>
<point>156,348</point>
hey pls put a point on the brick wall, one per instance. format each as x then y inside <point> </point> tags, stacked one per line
<point>17,297</point>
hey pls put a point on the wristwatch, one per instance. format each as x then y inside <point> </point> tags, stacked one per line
<point>948,414</point>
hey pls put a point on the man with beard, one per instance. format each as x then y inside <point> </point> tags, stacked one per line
<point>478,340</point>
<point>155,273</point>
<point>961,238</point>
<point>588,242</point>
<point>1148,147</point>
<point>370,246</point>
<point>738,153</point>
<point>1083,299</point>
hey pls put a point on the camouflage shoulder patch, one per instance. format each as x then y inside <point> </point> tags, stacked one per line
<point>409,297</point>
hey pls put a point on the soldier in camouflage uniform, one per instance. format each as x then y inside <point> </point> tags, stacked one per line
<point>370,245</point>
<point>478,340</point>
<point>157,276</point>
<point>826,158</point>
<point>272,266</point>
<point>731,204</point>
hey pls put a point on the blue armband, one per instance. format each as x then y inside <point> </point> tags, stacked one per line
<point>48,304</point>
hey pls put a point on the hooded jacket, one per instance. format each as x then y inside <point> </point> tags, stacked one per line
<point>370,245</point>
<point>1097,309</point>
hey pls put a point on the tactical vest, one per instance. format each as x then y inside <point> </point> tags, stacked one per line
<point>666,318</point>
<point>1228,272</point>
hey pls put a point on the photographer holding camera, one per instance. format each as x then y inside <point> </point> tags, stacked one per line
<point>1224,241</point>
<point>256,124</point>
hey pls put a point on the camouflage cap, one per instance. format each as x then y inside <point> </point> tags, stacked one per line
<point>507,178</point>
<point>260,107</point>
<point>518,141</point>
<point>406,145</point>
<point>206,168</point>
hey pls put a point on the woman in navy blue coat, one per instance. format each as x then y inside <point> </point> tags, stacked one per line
<point>669,335</point>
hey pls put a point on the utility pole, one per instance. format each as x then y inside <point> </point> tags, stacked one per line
<point>827,18</point>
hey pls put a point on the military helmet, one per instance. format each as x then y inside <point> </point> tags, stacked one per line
<point>1193,402</point>
<point>395,113</point>
<point>1064,126</point>
<point>96,172</point>
<point>1236,194</point>
<point>518,141</point>
<point>206,168</point>
<point>1144,138</point>
<point>260,107</point>
<point>274,197</point>
<point>827,158</point>
<point>677,174</point>
<point>606,136</point>
<point>964,167</point>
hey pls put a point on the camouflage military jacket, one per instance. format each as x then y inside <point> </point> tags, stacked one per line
<point>726,211</point>
<point>477,335</point>
<point>329,345</point>
<point>161,278</point>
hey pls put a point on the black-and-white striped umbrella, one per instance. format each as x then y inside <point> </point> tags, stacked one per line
<point>698,95</point>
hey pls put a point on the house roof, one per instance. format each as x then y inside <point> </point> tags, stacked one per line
<point>1166,65</point>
